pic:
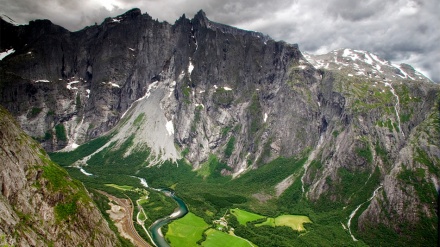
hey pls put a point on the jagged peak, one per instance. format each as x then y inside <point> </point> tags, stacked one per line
<point>201,15</point>
<point>132,13</point>
<point>201,18</point>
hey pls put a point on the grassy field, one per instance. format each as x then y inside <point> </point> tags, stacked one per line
<point>220,239</point>
<point>293,221</point>
<point>244,216</point>
<point>186,231</point>
<point>120,187</point>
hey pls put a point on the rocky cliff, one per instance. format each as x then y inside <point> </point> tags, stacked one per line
<point>370,129</point>
<point>40,205</point>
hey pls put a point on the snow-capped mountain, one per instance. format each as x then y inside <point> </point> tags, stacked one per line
<point>366,65</point>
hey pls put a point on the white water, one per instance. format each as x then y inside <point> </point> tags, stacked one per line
<point>396,106</point>
<point>309,160</point>
<point>144,182</point>
<point>353,213</point>
<point>85,173</point>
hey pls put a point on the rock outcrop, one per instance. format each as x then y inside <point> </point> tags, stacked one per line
<point>40,205</point>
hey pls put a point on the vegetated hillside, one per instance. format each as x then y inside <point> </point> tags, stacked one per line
<point>40,205</point>
<point>232,101</point>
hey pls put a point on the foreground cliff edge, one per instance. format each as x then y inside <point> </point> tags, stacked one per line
<point>234,119</point>
<point>40,205</point>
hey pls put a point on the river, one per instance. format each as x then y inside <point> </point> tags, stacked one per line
<point>156,233</point>
<point>154,230</point>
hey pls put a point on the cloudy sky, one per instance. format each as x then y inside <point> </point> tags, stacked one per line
<point>398,30</point>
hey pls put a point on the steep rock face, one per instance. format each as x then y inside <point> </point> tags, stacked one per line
<point>39,204</point>
<point>389,142</point>
<point>370,129</point>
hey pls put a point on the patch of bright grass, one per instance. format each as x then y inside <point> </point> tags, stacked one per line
<point>186,231</point>
<point>293,221</point>
<point>216,238</point>
<point>244,216</point>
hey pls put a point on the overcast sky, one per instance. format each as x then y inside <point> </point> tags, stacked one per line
<point>398,30</point>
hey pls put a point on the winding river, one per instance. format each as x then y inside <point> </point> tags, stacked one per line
<point>154,230</point>
<point>156,233</point>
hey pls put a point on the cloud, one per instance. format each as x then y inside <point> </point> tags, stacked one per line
<point>397,30</point>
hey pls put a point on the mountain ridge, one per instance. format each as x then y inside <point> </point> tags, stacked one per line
<point>232,101</point>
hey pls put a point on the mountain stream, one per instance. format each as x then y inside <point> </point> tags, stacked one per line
<point>396,106</point>
<point>353,213</point>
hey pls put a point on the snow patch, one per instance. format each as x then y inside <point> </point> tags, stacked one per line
<point>6,53</point>
<point>405,75</point>
<point>378,59</point>
<point>131,49</point>
<point>42,80</point>
<point>190,67</point>
<point>350,54</point>
<point>69,85</point>
<point>203,106</point>
<point>368,59</point>
<point>88,93</point>
<point>150,87</point>
<point>378,68</point>
<point>114,85</point>
<point>227,88</point>
<point>116,20</point>
<point>170,127</point>
<point>265,117</point>
<point>111,84</point>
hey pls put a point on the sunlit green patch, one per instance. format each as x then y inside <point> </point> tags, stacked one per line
<point>296,222</point>
<point>120,187</point>
<point>186,231</point>
<point>243,216</point>
<point>216,238</point>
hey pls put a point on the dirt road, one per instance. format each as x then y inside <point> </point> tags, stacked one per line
<point>121,214</point>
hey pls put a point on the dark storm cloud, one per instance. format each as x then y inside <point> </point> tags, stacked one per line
<point>357,10</point>
<point>398,30</point>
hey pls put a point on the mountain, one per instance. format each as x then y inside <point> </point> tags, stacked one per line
<point>232,102</point>
<point>40,205</point>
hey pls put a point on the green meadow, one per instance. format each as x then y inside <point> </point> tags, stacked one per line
<point>296,222</point>
<point>187,231</point>
<point>216,238</point>
<point>244,216</point>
